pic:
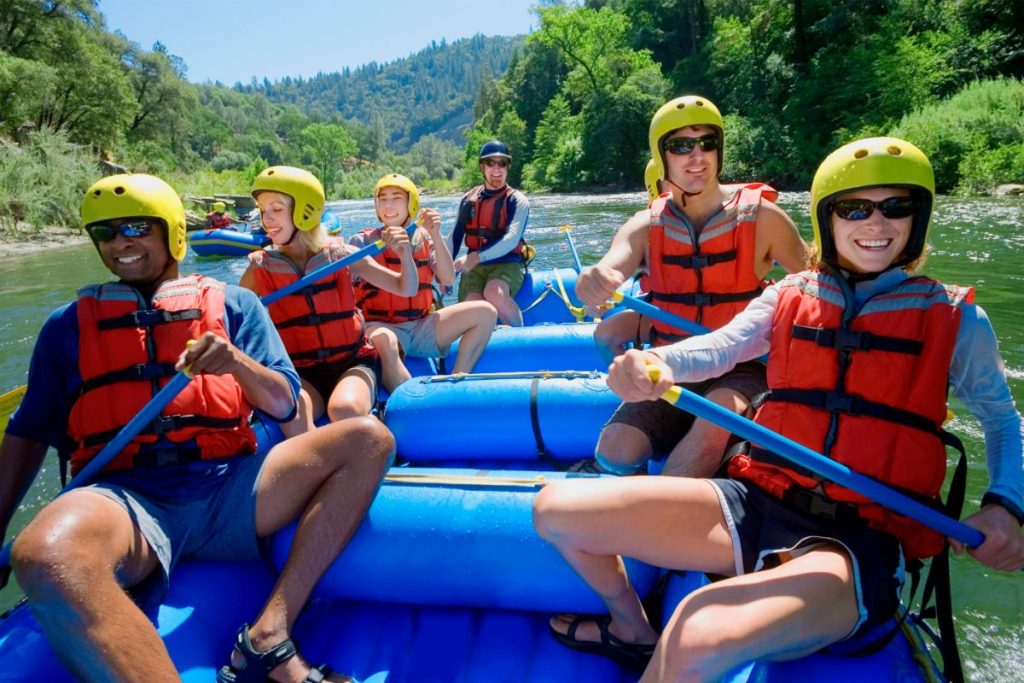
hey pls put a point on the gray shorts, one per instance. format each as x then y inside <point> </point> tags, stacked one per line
<point>665,425</point>
<point>766,532</point>
<point>204,510</point>
<point>417,337</point>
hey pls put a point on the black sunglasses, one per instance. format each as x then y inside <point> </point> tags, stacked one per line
<point>104,232</point>
<point>502,163</point>
<point>680,146</point>
<point>861,209</point>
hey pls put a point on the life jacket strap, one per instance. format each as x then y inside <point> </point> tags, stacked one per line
<point>843,339</point>
<point>149,318</point>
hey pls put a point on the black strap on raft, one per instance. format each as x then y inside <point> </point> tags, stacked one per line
<point>542,450</point>
<point>938,581</point>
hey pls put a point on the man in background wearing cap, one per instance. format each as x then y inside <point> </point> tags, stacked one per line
<point>492,221</point>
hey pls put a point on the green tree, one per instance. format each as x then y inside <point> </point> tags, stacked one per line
<point>326,146</point>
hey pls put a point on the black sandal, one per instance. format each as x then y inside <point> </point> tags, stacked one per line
<point>259,663</point>
<point>632,655</point>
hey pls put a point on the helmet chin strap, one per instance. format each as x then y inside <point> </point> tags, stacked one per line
<point>683,193</point>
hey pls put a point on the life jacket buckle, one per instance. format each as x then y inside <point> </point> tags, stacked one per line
<point>165,423</point>
<point>849,340</point>
<point>700,299</point>
<point>810,502</point>
<point>700,261</point>
<point>836,402</point>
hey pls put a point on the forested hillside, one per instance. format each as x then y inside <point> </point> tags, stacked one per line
<point>795,78</point>
<point>430,92</point>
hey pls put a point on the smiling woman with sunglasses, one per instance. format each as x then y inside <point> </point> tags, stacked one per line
<point>863,352</point>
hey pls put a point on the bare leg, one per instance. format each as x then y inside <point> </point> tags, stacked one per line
<point>73,562</point>
<point>327,479</point>
<point>497,293</point>
<point>781,613</point>
<point>700,452</point>
<point>623,449</point>
<point>470,321</point>
<point>352,396</point>
<point>667,522</point>
<point>304,415</point>
<point>613,334</point>
<point>392,369</point>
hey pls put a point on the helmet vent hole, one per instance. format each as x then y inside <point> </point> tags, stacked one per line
<point>681,105</point>
<point>860,154</point>
<point>270,171</point>
<point>894,150</point>
<point>119,189</point>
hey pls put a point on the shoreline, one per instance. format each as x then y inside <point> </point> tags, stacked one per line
<point>19,241</point>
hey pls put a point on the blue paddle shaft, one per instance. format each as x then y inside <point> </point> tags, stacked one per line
<point>320,273</point>
<point>145,416</point>
<point>661,315</point>
<point>572,250</point>
<point>825,467</point>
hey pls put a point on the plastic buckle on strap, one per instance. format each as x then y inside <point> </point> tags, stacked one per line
<point>702,299</point>
<point>700,261</point>
<point>848,340</point>
<point>162,424</point>
<point>314,319</point>
<point>836,402</point>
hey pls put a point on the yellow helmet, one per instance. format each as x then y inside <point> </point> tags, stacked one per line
<point>869,163</point>
<point>689,110</point>
<point>302,186</point>
<point>402,183</point>
<point>136,195</point>
<point>651,179</point>
<point>219,207</point>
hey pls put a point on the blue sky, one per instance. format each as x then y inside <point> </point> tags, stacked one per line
<point>229,41</point>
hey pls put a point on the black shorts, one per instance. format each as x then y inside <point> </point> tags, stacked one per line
<point>664,425</point>
<point>765,531</point>
<point>325,376</point>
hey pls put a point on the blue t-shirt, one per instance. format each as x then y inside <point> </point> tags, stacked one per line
<point>54,380</point>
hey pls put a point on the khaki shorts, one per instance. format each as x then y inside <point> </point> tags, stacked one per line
<point>475,280</point>
<point>416,337</point>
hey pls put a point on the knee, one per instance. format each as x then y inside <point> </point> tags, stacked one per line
<point>370,440</point>
<point>486,315</point>
<point>548,512</point>
<point>385,342</point>
<point>496,290</point>
<point>697,639</point>
<point>42,554</point>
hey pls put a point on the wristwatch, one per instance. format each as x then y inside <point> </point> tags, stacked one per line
<point>1005,503</point>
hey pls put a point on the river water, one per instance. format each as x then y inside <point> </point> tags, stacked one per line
<point>977,242</point>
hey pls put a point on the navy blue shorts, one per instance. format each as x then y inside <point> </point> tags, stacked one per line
<point>324,377</point>
<point>202,510</point>
<point>765,532</point>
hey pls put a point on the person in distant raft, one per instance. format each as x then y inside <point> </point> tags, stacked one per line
<point>398,325</point>
<point>863,350</point>
<point>706,248</point>
<point>492,223</point>
<point>218,217</point>
<point>628,328</point>
<point>95,562</point>
<point>320,324</point>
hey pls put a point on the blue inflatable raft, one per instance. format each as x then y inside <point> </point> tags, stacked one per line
<point>446,580</point>
<point>225,242</point>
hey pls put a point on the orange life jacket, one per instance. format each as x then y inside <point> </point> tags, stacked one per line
<point>126,353</point>
<point>867,390</point>
<point>706,276</point>
<point>488,219</point>
<point>216,220</point>
<point>380,304</point>
<point>319,323</point>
